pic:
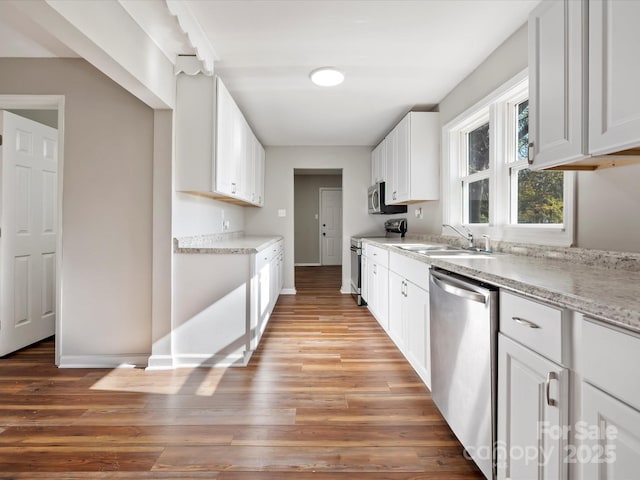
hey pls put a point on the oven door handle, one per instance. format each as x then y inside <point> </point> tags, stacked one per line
<point>458,291</point>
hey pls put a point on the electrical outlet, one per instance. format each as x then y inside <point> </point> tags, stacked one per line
<point>225,225</point>
<point>418,212</point>
<point>282,212</point>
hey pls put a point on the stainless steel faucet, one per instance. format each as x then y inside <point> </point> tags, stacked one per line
<point>467,235</point>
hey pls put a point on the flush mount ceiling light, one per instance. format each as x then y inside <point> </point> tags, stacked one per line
<point>326,77</point>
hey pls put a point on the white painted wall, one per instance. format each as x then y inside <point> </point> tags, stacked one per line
<point>107,206</point>
<point>355,163</point>
<point>196,215</point>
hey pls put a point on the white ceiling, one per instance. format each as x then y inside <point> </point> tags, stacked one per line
<point>397,55</point>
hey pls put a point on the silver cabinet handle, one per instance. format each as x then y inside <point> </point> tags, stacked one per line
<point>525,323</point>
<point>550,401</point>
<point>530,153</point>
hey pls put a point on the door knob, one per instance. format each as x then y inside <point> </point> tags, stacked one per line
<point>324,234</point>
<point>324,224</point>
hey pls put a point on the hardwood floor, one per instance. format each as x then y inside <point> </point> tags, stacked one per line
<point>327,396</point>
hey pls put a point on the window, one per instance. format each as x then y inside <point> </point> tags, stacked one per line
<point>488,185</point>
<point>475,184</point>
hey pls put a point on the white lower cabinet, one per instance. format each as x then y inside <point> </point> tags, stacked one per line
<point>409,312</point>
<point>612,452</point>
<point>397,309</point>
<point>269,274</point>
<point>533,408</point>
<point>378,284</point>
<point>221,305</point>
<point>377,292</point>
<point>609,447</point>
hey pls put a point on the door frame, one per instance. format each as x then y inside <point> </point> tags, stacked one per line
<point>48,102</point>
<point>320,190</point>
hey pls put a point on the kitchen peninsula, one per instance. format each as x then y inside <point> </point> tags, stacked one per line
<point>229,284</point>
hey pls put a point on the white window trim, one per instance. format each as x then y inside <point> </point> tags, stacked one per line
<point>495,108</point>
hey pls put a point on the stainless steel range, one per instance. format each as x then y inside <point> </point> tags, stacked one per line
<point>395,228</point>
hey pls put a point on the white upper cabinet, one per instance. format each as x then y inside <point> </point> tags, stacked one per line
<point>217,154</point>
<point>614,76</point>
<point>573,44</point>
<point>378,164</point>
<point>410,155</point>
<point>556,83</point>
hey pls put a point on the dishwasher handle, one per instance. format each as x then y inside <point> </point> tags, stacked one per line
<point>458,290</point>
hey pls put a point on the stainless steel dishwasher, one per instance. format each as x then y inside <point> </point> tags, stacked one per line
<point>464,318</point>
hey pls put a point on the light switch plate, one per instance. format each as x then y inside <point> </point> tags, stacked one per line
<point>282,212</point>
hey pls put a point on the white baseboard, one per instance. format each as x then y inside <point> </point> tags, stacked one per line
<point>345,291</point>
<point>104,361</point>
<point>160,362</point>
<point>288,291</point>
<point>202,360</point>
<point>307,264</point>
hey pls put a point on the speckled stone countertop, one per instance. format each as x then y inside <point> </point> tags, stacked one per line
<point>603,285</point>
<point>233,243</point>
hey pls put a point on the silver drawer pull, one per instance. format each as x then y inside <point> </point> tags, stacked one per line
<point>550,376</point>
<point>525,323</point>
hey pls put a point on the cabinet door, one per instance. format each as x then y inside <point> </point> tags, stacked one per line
<point>375,164</point>
<point>259,175</point>
<point>225,142</point>
<point>378,293</point>
<point>417,330</point>
<point>402,165</point>
<point>364,278</point>
<point>614,76</point>
<point>391,149</point>
<point>532,408</point>
<point>372,294</point>
<point>556,83</point>
<point>614,453</point>
<point>397,309</point>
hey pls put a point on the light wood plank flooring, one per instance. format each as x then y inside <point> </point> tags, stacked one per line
<point>327,396</point>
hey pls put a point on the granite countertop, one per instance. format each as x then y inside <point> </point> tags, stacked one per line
<point>236,243</point>
<point>597,290</point>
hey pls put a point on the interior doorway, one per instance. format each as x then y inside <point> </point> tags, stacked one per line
<point>30,218</point>
<point>308,225</point>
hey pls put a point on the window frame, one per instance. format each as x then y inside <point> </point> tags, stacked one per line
<point>499,108</point>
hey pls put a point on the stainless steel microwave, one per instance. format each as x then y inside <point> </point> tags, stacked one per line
<point>377,204</point>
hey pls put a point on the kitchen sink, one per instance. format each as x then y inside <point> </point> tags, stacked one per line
<point>442,251</point>
<point>420,247</point>
<point>457,253</point>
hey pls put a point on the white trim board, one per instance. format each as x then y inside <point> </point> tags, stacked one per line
<point>307,265</point>
<point>104,361</point>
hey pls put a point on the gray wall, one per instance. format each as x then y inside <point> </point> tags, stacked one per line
<point>107,205</point>
<point>355,163</point>
<point>307,206</point>
<point>45,117</point>
<point>608,201</point>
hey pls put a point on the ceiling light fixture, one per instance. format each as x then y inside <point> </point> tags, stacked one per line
<point>326,77</point>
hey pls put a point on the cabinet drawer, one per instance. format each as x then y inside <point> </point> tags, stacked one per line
<point>610,360</point>
<point>534,324</point>
<point>378,255</point>
<point>415,271</point>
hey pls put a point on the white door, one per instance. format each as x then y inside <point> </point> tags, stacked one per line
<point>331,226</point>
<point>28,222</point>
